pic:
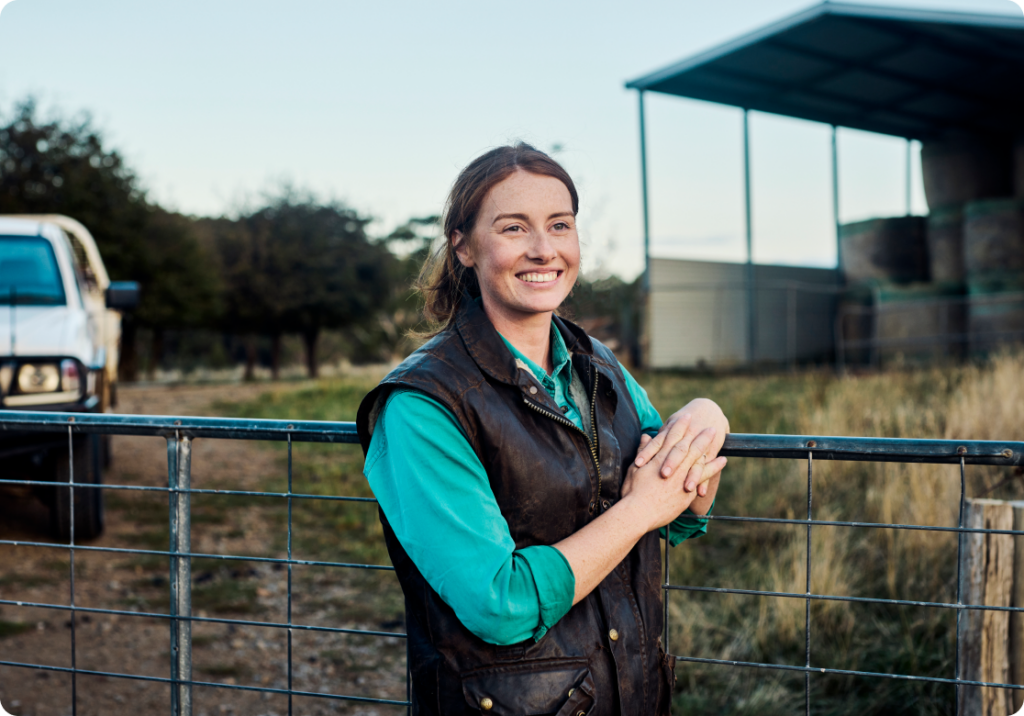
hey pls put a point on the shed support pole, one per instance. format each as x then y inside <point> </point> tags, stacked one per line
<point>840,345</point>
<point>909,156</point>
<point>751,297</point>
<point>643,319</point>
<point>835,199</point>
<point>643,190</point>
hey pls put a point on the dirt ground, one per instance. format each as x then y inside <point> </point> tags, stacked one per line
<point>240,655</point>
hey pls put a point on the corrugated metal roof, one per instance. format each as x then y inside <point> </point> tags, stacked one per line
<point>911,73</point>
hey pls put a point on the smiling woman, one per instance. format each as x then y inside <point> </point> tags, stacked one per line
<point>523,474</point>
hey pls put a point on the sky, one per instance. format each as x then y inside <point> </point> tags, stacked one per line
<point>380,104</point>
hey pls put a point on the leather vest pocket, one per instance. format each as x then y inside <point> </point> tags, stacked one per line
<point>550,687</point>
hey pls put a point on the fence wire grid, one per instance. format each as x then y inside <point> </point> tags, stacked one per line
<point>180,432</point>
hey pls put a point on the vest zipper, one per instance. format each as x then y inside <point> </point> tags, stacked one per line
<point>591,439</point>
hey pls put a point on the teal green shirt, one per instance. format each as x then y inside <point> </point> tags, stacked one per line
<point>436,495</point>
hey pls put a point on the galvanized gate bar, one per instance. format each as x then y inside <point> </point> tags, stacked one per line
<point>179,475</point>
<point>807,605</point>
<point>71,567</point>
<point>871,449</point>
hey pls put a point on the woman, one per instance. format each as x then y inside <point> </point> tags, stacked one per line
<point>519,485</point>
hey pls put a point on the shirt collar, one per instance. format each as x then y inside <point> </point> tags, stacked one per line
<point>560,357</point>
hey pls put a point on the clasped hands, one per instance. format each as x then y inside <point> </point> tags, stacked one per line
<point>679,466</point>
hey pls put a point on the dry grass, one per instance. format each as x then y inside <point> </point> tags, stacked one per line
<point>974,402</point>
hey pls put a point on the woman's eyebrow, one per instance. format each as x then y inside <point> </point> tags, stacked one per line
<point>499,217</point>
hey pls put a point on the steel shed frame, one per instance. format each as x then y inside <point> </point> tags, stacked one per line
<point>915,74</point>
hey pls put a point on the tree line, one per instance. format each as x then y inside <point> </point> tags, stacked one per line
<point>293,264</point>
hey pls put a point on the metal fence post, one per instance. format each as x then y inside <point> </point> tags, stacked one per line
<point>179,479</point>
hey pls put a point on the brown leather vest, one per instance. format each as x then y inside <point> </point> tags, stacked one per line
<point>550,479</point>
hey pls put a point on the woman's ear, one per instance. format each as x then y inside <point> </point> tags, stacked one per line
<point>463,252</point>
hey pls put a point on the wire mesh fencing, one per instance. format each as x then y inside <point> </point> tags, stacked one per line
<point>180,434</point>
<point>180,617</point>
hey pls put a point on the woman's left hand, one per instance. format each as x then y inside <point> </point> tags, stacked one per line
<point>676,435</point>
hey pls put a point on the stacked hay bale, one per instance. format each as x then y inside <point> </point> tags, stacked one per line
<point>972,184</point>
<point>994,264</point>
<point>949,283</point>
<point>888,308</point>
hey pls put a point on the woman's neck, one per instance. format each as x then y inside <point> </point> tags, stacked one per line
<point>529,333</point>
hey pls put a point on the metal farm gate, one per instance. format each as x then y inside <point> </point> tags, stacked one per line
<point>180,432</point>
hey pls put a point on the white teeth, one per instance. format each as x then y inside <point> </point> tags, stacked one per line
<point>539,277</point>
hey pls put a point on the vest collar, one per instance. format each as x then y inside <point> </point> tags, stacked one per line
<point>484,344</point>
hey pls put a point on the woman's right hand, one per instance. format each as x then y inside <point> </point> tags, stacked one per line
<point>662,499</point>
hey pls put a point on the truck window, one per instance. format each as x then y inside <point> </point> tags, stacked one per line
<point>29,272</point>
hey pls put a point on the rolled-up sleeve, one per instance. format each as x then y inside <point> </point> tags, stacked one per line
<point>437,498</point>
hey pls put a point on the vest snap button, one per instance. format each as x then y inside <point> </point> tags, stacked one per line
<point>613,635</point>
<point>572,691</point>
<point>565,409</point>
<point>533,390</point>
<point>605,504</point>
<point>486,704</point>
<point>592,508</point>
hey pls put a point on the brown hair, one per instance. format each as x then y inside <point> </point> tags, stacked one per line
<point>443,280</point>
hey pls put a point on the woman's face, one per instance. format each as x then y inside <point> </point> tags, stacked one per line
<point>524,247</point>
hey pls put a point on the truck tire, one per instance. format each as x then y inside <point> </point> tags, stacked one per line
<point>88,500</point>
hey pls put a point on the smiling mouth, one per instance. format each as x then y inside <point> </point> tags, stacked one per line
<point>539,276</point>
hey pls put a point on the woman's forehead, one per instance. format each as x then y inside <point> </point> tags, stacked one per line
<point>526,193</point>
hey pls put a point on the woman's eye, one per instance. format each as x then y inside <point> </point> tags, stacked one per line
<point>561,226</point>
<point>514,227</point>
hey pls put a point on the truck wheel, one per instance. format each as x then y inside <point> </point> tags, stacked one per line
<point>88,500</point>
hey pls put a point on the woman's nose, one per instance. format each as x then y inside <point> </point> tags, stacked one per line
<point>541,248</point>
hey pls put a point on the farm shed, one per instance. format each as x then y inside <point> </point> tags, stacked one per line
<point>950,80</point>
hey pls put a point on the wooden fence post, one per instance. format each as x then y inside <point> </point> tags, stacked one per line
<point>1017,618</point>
<point>988,580</point>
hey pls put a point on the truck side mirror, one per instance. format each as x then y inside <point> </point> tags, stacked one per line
<point>123,295</point>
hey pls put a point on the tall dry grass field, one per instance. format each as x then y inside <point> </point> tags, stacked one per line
<point>976,402</point>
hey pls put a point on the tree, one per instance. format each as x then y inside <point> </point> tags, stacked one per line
<point>302,266</point>
<point>61,166</point>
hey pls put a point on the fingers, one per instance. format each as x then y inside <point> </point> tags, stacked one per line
<point>669,435</point>
<point>694,459</point>
<point>687,451</point>
<point>699,475</point>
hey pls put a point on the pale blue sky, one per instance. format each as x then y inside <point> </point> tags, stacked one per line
<point>381,103</point>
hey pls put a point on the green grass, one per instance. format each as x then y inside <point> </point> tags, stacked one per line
<point>225,595</point>
<point>322,530</point>
<point>8,629</point>
<point>221,671</point>
<point>868,563</point>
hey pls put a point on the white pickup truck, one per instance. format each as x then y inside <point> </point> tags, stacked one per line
<point>60,333</point>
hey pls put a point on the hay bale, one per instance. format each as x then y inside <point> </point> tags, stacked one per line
<point>958,171</point>
<point>945,238</point>
<point>884,250</point>
<point>993,237</point>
